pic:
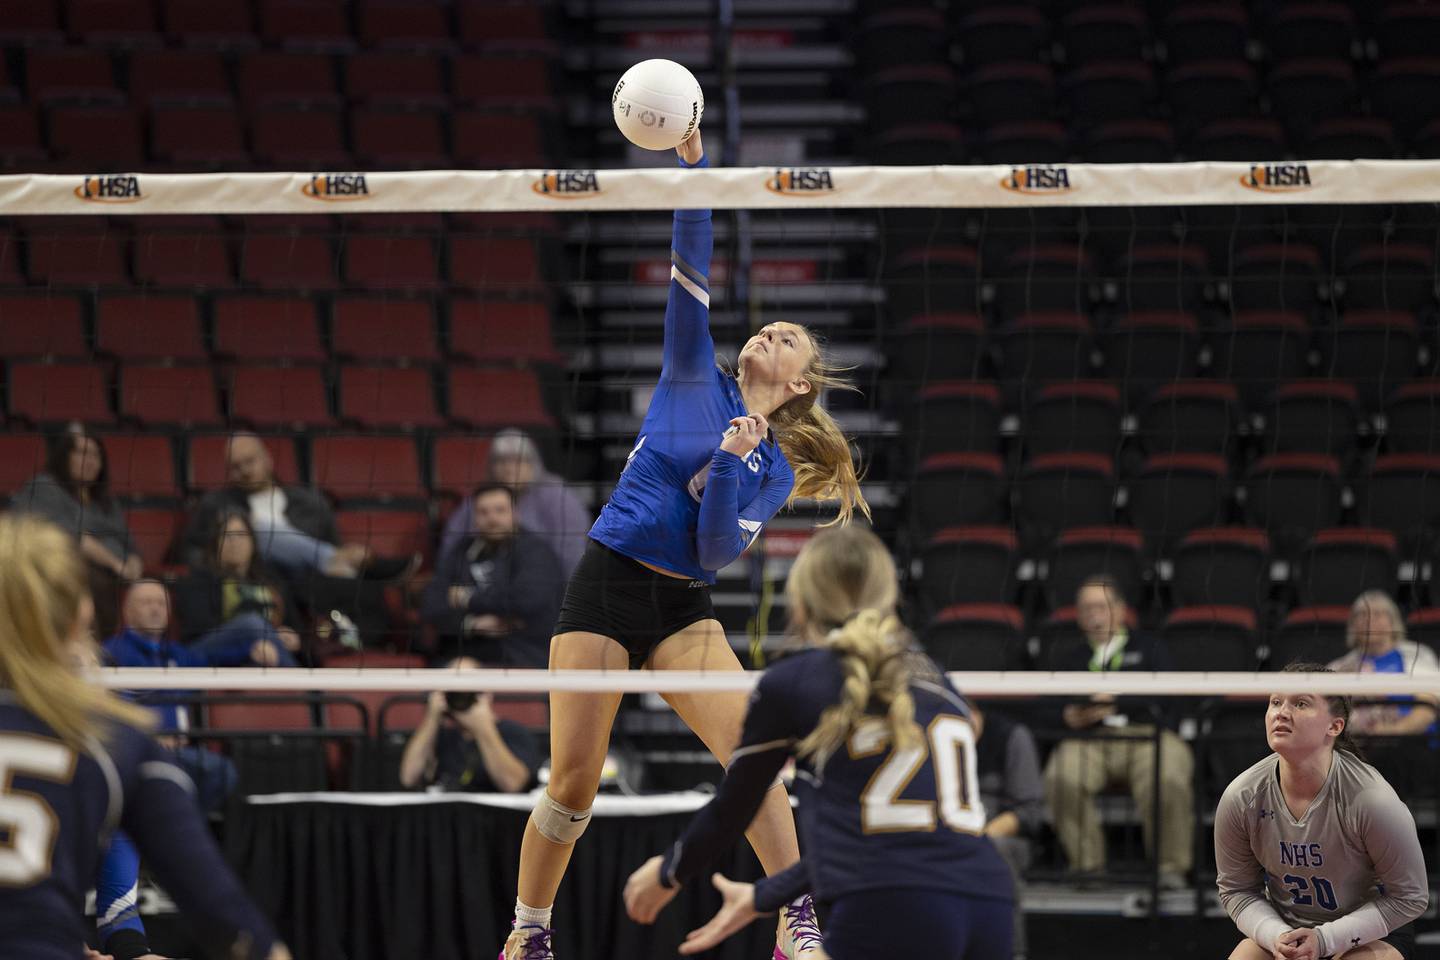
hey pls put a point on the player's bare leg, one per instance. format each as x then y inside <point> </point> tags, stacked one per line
<point>579,740</point>
<point>1371,951</point>
<point>1247,949</point>
<point>717,719</point>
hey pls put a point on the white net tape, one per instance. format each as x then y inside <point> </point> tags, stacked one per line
<point>1028,683</point>
<point>1073,185</point>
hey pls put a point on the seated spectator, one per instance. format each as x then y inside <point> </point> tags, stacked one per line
<point>1009,768</point>
<point>496,594</point>
<point>74,493</point>
<point>1379,644</point>
<point>461,745</point>
<point>1080,768</point>
<point>544,505</point>
<point>232,594</point>
<point>294,526</point>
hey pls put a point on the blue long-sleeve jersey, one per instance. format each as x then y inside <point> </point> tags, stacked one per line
<point>62,808</point>
<point>130,648</point>
<point>871,816</point>
<point>665,510</point>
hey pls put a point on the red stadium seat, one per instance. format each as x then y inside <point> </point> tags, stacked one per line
<point>500,26</point>
<point>976,636</point>
<point>526,710</point>
<point>278,79</point>
<point>204,23</point>
<point>396,79</point>
<point>126,23</point>
<point>10,275</point>
<point>154,530</point>
<point>502,331</point>
<point>299,139</point>
<point>1060,490</point>
<point>59,393</point>
<point>178,76</point>
<point>89,257</point>
<point>459,464</point>
<point>182,396</point>
<point>89,138</point>
<point>288,714</point>
<point>1402,495</point>
<point>182,260</point>
<point>1211,638</point>
<point>71,74</point>
<point>387,23</point>
<point>285,397</point>
<point>939,346</point>
<point>287,262</point>
<point>955,415</point>
<point>378,660</point>
<point>41,325</point>
<point>973,564</point>
<point>310,24</point>
<point>1314,634</point>
<point>498,140</point>
<point>208,453</point>
<point>367,468</point>
<point>957,489</point>
<point>1292,495</point>
<point>1341,563</point>
<point>1081,415</point>
<point>140,466</point>
<point>20,142</point>
<point>365,328</point>
<point>388,533</point>
<point>501,81</point>
<point>149,328</point>
<point>22,455</point>
<point>268,329</point>
<point>404,140</point>
<point>1174,493</point>
<point>388,397</point>
<point>391,263</point>
<point>493,263</point>
<point>1082,551</point>
<point>1412,418</point>
<point>205,136</point>
<point>1227,566</point>
<point>30,22</point>
<point>494,397</point>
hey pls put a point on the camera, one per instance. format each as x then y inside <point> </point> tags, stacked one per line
<point>458,701</point>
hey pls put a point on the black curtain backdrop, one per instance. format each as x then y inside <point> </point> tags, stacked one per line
<point>437,880</point>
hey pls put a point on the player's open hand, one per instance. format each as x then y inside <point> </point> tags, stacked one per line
<point>745,434</point>
<point>737,911</point>
<point>1302,943</point>
<point>644,896</point>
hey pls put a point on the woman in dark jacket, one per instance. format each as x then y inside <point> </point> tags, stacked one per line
<point>232,591</point>
<point>73,493</point>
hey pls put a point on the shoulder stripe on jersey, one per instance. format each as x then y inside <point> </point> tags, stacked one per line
<point>755,748</point>
<point>699,278</point>
<point>941,691</point>
<point>115,790</point>
<point>160,770</point>
<point>691,287</point>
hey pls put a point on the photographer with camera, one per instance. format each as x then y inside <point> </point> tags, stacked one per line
<point>461,745</point>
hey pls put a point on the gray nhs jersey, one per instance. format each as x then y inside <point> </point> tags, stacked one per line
<point>1351,866</point>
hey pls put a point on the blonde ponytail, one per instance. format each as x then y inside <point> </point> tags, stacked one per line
<point>813,442</point>
<point>875,664</point>
<point>42,589</point>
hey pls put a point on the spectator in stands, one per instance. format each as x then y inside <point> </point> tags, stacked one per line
<point>1014,795</point>
<point>74,493</point>
<point>462,745</point>
<point>1379,644</point>
<point>496,594</point>
<point>544,505</point>
<point>294,526</point>
<point>232,594</point>
<point>1080,767</point>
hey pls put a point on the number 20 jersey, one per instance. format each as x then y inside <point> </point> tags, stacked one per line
<point>876,818</point>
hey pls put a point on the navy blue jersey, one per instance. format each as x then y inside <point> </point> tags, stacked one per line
<point>682,504</point>
<point>58,810</point>
<point>871,817</point>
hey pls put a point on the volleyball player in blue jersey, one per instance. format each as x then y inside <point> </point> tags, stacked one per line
<point>890,803</point>
<point>75,766</point>
<point>717,456</point>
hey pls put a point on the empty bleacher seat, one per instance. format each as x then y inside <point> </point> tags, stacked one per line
<point>1206,90</point>
<point>202,23</point>
<point>306,24</point>
<point>1131,141</point>
<point>1211,638</point>
<point>1313,416</point>
<point>498,263</point>
<point>41,325</point>
<point>273,261</point>
<point>140,466</point>
<point>1259,348</point>
<point>1170,278</point>
<point>198,136</point>
<point>976,636</point>
<point>1292,495</point>
<point>1148,350</point>
<point>956,415</point>
<point>1081,552</point>
<point>918,143</point>
<point>1174,493</point>
<point>166,395</point>
<point>969,565</point>
<point>208,456</point>
<point>388,78</point>
<point>387,138</point>
<point>1190,416</point>
<point>31,22</point>
<point>502,332</point>
<point>1039,348</point>
<point>403,23</point>
<point>502,81</point>
<point>1339,564</point>
<point>1001,92</point>
<point>1050,280</point>
<point>1412,418</point>
<point>1224,566</point>
<point>71,74</point>
<point>367,467</point>
<point>1277,276</point>
<point>268,329</point>
<point>90,256</point>
<point>908,93</point>
<point>1396,276</point>
<point>1061,490</point>
<point>903,35</point>
<point>299,139</point>
<point>386,533</point>
<point>1099,32</point>
<point>391,263</point>
<point>283,397</point>
<point>933,279</point>
<point>1111,90</point>
<point>149,328</point>
<point>290,757</point>
<point>20,143</point>
<point>459,464</point>
<point>1403,90</point>
<point>957,489</point>
<point>1311,28</point>
<point>1242,139</point>
<point>1083,415</point>
<point>496,397</point>
<point>22,456</point>
<point>178,76</point>
<point>1349,138</point>
<point>1001,32</point>
<point>372,329</point>
<point>1377,350</point>
<point>1206,31</point>
<point>401,397</point>
<point>182,260</point>
<point>1306,90</point>
<point>154,531</point>
<point>59,393</point>
<point>1313,634</point>
<point>87,138</point>
<point>939,346</point>
<point>1402,495</point>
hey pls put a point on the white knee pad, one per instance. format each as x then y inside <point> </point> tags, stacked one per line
<point>558,823</point>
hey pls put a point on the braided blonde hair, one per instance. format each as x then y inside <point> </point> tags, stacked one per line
<point>842,593</point>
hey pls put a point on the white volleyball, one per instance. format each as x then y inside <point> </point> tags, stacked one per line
<point>657,104</point>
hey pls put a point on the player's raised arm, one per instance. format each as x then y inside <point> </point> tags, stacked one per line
<point>689,349</point>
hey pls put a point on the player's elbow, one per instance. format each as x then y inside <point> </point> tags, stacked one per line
<point>716,555</point>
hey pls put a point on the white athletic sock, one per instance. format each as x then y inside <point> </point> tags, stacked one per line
<point>532,916</point>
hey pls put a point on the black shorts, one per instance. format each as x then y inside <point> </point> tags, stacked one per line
<point>1402,939</point>
<point>616,597</point>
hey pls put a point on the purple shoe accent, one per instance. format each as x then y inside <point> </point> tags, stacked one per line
<point>803,925</point>
<point>537,945</point>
